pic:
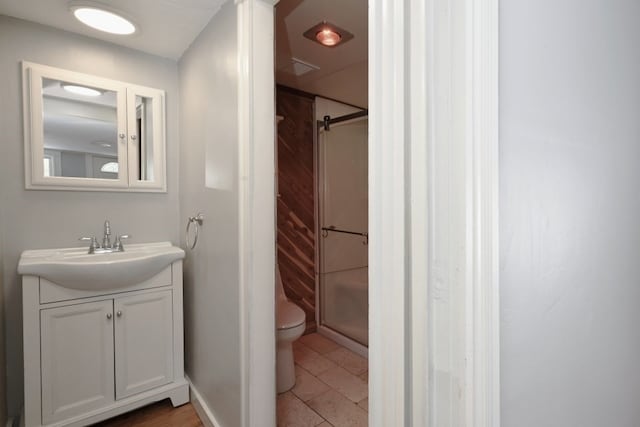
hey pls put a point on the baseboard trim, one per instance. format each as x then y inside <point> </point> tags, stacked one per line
<point>201,407</point>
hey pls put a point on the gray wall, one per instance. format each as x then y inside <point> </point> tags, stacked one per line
<point>48,219</point>
<point>570,212</point>
<point>209,184</point>
<point>73,164</point>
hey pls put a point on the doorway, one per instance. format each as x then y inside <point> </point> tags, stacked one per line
<point>424,139</point>
<point>322,251</point>
<point>331,366</point>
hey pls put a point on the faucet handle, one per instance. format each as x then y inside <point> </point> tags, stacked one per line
<point>92,245</point>
<point>118,243</point>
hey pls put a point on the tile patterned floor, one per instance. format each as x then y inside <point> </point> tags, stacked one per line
<point>331,386</point>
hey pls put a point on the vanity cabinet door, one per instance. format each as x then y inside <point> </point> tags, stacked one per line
<point>77,359</point>
<point>143,342</point>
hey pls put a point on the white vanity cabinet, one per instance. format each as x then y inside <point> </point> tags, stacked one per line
<point>77,359</point>
<point>91,355</point>
<point>143,342</point>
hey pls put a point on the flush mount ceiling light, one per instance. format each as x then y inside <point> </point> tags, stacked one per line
<point>328,34</point>
<point>328,37</point>
<point>103,144</point>
<point>81,90</point>
<point>111,167</point>
<point>102,18</point>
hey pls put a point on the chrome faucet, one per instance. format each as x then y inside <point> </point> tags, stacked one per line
<point>93,245</point>
<point>106,239</point>
<point>107,247</point>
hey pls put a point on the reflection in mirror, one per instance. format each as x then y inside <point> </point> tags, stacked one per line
<point>144,128</point>
<point>80,131</point>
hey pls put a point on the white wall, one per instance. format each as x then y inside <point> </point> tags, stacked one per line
<point>350,85</point>
<point>324,107</point>
<point>209,184</point>
<point>570,212</point>
<point>47,219</point>
<point>3,382</point>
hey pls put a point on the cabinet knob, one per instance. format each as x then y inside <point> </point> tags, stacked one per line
<point>119,313</point>
<point>108,315</point>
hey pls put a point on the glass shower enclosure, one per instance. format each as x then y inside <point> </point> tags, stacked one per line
<point>343,227</point>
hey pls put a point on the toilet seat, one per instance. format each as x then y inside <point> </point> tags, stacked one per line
<point>288,315</point>
<point>290,325</point>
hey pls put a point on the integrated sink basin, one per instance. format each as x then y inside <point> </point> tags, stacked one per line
<point>76,269</point>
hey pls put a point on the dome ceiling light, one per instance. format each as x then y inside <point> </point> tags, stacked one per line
<point>101,18</point>
<point>111,167</point>
<point>103,144</point>
<point>327,34</point>
<point>81,90</point>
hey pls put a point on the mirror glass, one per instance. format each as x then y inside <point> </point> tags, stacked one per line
<point>144,130</point>
<point>80,131</point>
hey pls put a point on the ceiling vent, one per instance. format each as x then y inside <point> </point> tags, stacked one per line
<point>298,67</point>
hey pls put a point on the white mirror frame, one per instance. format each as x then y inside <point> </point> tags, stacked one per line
<point>158,127</point>
<point>32,75</point>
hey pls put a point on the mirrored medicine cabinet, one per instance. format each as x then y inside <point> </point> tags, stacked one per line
<point>88,133</point>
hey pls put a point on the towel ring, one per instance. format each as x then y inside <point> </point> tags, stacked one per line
<point>197,221</point>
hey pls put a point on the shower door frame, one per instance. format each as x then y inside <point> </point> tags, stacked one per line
<point>327,331</point>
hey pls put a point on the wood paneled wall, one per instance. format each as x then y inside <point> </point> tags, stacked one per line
<point>296,193</point>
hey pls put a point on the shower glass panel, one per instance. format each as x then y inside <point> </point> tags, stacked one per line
<point>343,188</point>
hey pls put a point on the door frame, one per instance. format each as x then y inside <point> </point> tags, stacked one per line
<point>433,187</point>
<point>433,217</point>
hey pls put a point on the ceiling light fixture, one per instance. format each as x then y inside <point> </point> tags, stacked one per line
<point>111,167</point>
<point>100,18</point>
<point>328,34</point>
<point>81,90</point>
<point>328,37</point>
<point>103,144</point>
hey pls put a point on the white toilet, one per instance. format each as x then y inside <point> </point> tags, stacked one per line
<point>290,321</point>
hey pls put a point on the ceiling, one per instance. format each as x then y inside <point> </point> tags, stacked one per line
<point>342,70</point>
<point>166,27</point>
